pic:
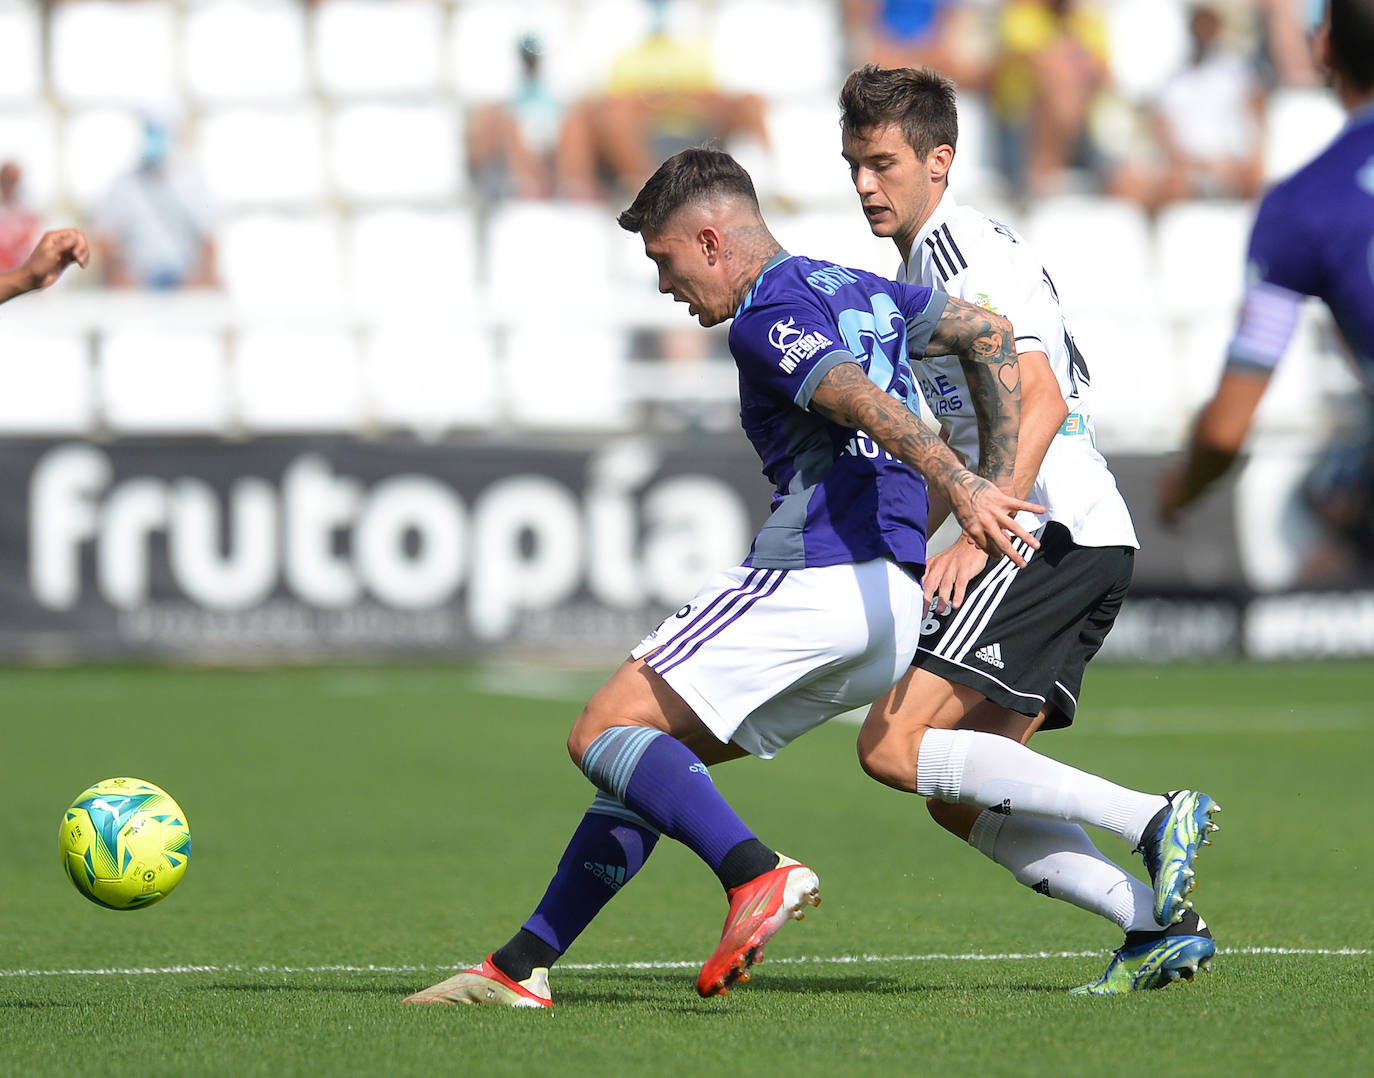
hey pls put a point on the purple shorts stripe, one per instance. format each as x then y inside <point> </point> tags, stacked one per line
<point>738,602</point>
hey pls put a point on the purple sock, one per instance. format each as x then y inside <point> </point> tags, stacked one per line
<point>665,782</point>
<point>609,846</point>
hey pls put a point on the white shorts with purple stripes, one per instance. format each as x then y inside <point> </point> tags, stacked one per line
<point>764,655</point>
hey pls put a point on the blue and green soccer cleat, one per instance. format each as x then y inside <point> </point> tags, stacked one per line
<point>1155,959</point>
<point>1170,845</point>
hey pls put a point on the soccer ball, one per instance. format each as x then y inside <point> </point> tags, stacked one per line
<point>125,843</point>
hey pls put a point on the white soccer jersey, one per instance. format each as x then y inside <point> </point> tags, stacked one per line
<point>966,254</point>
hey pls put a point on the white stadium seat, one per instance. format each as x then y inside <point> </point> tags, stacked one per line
<point>1200,256</point>
<point>28,136</point>
<point>783,49</point>
<point>297,380</point>
<point>420,262</point>
<point>397,152</point>
<point>104,52</point>
<point>264,156</point>
<point>565,243</point>
<point>49,389</point>
<point>566,377</point>
<point>1298,125</point>
<point>482,61</point>
<point>839,235</point>
<point>431,379</point>
<point>220,35</point>
<point>153,380</point>
<point>274,263</point>
<point>1134,370</point>
<point>99,145</point>
<point>366,47</point>
<point>807,167</point>
<point>21,55</point>
<point>1147,44</point>
<point>1096,250</point>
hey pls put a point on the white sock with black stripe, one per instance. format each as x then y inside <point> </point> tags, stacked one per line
<point>976,768</point>
<point>1059,860</point>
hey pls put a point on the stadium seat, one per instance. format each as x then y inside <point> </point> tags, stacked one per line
<point>49,388</point>
<point>1134,371</point>
<point>219,35</point>
<point>483,36</point>
<point>566,377</point>
<point>430,379</point>
<point>103,52</point>
<point>98,146</point>
<point>783,49</point>
<point>396,152</point>
<point>274,263</point>
<point>21,56</point>
<point>288,380</point>
<point>28,136</point>
<point>567,243</point>
<point>410,261</point>
<point>270,156</point>
<point>807,167</point>
<point>153,380</point>
<point>1298,124</point>
<point>838,235</point>
<point>1147,43</point>
<point>1096,250</point>
<point>1200,256</point>
<point>366,48</point>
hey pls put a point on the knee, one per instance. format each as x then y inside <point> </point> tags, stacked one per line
<point>584,731</point>
<point>887,758</point>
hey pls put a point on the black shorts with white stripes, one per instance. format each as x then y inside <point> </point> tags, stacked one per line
<point>1023,636</point>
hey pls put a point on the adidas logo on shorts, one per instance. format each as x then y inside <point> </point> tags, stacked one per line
<point>992,655</point>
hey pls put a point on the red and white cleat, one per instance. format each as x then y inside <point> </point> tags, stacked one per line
<point>757,910</point>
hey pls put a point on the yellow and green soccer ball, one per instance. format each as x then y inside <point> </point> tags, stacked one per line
<point>125,843</point>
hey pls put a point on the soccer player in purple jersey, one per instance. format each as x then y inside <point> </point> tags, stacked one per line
<point>54,252</point>
<point>825,611</point>
<point>1313,236</point>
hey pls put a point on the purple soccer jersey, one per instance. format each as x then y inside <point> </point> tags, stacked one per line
<point>838,497</point>
<point>1314,235</point>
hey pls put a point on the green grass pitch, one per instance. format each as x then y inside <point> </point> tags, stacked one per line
<point>358,833</point>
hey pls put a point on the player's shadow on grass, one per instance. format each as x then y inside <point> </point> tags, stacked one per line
<point>677,991</point>
<point>363,988</point>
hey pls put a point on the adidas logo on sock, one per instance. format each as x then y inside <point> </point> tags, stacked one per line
<point>1042,888</point>
<point>992,655</point>
<point>613,876</point>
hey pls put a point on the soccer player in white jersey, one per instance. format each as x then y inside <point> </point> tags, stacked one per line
<point>53,253</point>
<point>1313,236</point>
<point>1004,646</point>
<point>826,609</point>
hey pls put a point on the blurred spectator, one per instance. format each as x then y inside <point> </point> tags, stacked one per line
<point>1208,121</point>
<point>1286,51</point>
<point>662,96</point>
<point>1052,66</point>
<point>525,147</point>
<point>153,227</point>
<point>19,225</point>
<point>943,34</point>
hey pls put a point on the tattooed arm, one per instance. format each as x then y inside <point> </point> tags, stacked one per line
<point>847,396</point>
<point>986,347</point>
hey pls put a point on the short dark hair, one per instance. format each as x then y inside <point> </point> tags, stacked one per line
<point>922,102</point>
<point>688,176</point>
<point>1352,40</point>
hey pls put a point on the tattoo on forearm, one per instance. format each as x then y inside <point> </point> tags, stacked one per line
<point>986,348</point>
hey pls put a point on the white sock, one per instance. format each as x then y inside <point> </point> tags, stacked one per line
<point>974,768</point>
<point>1059,860</point>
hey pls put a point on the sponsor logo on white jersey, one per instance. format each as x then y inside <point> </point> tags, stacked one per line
<point>795,344</point>
<point>991,654</point>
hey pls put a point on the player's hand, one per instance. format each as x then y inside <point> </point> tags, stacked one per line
<point>988,516</point>
<point>55,252</point>
<point>947,574</point>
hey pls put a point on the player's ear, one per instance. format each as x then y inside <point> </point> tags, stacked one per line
<point>710,243</point>
<point>939,162</point>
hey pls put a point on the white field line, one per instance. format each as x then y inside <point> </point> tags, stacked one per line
<point>605,967</point>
